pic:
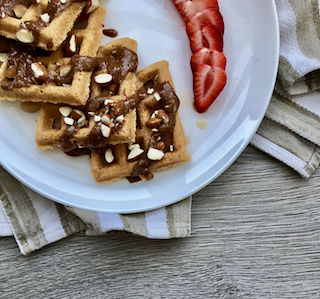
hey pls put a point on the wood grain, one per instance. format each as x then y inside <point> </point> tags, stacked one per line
<point>255,234</point>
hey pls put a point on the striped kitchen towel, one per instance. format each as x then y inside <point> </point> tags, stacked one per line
<point>36,221</point>
<point>290,130</point>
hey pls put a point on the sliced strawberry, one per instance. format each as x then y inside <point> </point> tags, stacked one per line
<point>209,16</point>
<point>208,83</point>
<point>208,37</point>
<point>179,3</point>
<point>209,57</point>
<point>191,7</point>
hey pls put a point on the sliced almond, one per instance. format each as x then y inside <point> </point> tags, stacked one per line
<point>150,91</point>
<point>120,118</point>
<point>157,96</point>
<point>69,121</point>
<point>171,148</point>
<point>3,15</point>
<point>92,5</point>
<point>45,17</point>
<point>91,113</point>
<point>65,111</point>
<point>105,131</point>
<point>155,154</point>
<point>39,71</point>
<point>97,118</point>
<point>3,57</point>
<point>25,36</point>
<point>103,78</point>
<point>107,102</point>
<point>108,155</point>
<point>71,48</point>
<point>75,115</point>
<point>133,146</point>
<point>135,153</point>
<point>20,10</point>
<point>82,119</point>
<point>11,72</point>
<point>105,119</point>
<point>65,70</point>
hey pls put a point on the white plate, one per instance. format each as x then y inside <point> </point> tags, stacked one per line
<point>251,46</point>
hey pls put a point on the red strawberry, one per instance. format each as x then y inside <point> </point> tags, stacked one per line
<point>208,37</point>
<point>209,57</point>
<point>193,6</point>
<point>208,83</point>
<point>209,16</point>
<point>179,3</point>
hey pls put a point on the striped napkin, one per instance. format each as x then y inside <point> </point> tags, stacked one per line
<point>36,221</point>
<point>290,130</point>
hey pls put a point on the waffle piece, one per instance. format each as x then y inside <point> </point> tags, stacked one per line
<point>76,92</point>
<point>53,18</point>
<point>120,167</point>
<point>51,124</point>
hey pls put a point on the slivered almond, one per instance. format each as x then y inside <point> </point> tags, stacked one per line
<point>11,72</point>
<point>105,131</point>
<point>65,70</point>
<point>92,5</point>
<point>65,111</point>
<point>39,71</point>
<point>135,154</point>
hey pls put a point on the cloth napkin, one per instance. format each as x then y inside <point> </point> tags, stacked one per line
<point>36,221</point>
<point>290,130</point>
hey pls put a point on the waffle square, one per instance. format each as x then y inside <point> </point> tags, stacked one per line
<point>77,93</point>
<point>51,125</point>
<point>104,173</point>
<point>51,36</point>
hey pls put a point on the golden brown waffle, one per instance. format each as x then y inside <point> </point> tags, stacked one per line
<point>104,173</point>
<point>51,36</point>
<point>78,92</point>
<point>51,125</point>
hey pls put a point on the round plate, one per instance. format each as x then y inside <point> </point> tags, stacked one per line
<point>251,45</point>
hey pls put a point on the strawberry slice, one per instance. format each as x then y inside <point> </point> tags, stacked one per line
<point>191,7</point>
<point>209,57</point>
<point>208,83</point>
<point>208,37</point>
<point>209,16</point>
<point>179,3</point>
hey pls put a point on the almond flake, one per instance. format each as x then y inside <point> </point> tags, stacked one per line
<point>105,131</point>
<point>109,155</point>
<point>105,119</point>
<point>157,96</point>
<point>3,57</point>
<point>45,17</point>
<point>155,154</point>
<point>82,119</point>
<point>103,78</point>
<point>154,130</point>
<point>171,148</point>
<point>120,118</point>
<point>65,111</point>
<point>135,153</point>
<point>106,102</point>
<point>133,146</point>
<point>69,121</point>
<point>97,118</point>
<point>91,113</point>
<point>150,91</point>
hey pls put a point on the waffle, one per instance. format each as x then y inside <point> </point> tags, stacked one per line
<point>52,35</point>
<point>104,173</point>
<point>75,93</point>
<point>51,125</point>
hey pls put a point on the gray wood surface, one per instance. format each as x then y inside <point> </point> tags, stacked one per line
<point>255,234</point>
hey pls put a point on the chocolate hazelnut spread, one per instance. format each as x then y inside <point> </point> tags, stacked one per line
<point>110,32</point>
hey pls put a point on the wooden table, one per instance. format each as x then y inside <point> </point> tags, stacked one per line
<point>255,234</point>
